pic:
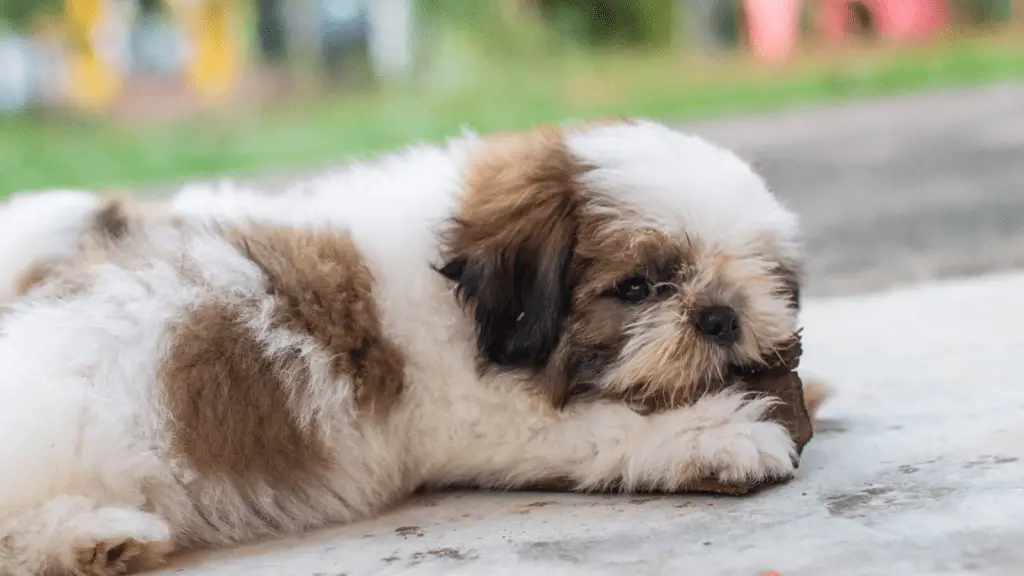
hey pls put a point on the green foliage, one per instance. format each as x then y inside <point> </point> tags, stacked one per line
<point>984,11</point>
<point>459,12</point>
<point>562,22</point>
<point>613,22</point>
<point>19,14</point>
<point>483,29</point>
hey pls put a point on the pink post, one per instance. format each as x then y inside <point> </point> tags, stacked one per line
<point>897,20</point>
<point>774,27</point>
<point>832,20</point>
<point>913,19</point>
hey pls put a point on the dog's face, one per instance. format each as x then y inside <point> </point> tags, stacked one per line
<point>622,260</point>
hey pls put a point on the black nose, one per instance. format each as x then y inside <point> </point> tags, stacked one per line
<point>719,324</point>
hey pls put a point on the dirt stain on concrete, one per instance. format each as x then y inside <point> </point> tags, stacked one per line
<point>846,504</point>
<point>407,531</point>
<point>858,504</point>
<point>455,554</point>
<point>990,460</point>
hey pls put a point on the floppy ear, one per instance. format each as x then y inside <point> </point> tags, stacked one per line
<point>509,251</point>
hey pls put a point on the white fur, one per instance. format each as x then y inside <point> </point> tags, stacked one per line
<point>682,184</point>
<point>83,434</point>
<point>40,227</point>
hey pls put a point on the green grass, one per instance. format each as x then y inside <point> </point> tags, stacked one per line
<point>40,152</point>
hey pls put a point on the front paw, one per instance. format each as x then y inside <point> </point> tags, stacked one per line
<point>759,457</point>
<point>746,450</point>
<point>747,454</point>
<point>720,444</point>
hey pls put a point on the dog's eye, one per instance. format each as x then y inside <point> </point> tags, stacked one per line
<point>633,289</point>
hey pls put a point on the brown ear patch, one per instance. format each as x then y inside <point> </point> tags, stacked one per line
<point>509,250</point>
<point>229,403</point>
<point>324,289</point>
<point>529,179</point>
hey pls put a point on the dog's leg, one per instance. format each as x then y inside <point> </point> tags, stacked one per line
<point>603,445</point>
<point>74,535</point>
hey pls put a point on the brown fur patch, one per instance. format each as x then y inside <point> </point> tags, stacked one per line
<point>61,279</point>
<point>114,218</point>
<point>228,402</point>
<point>324,289</point>
<point>36,274</point>
<point>530,177</point>
<point>510,246</point>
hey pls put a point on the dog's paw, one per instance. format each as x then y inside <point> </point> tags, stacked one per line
<point>720,444</point>
<point>746,455</point>
<point>114,541</point>
<point>113,557</point>
<point>745,450</point>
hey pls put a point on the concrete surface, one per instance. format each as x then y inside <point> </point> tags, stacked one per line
<point>915,470</point>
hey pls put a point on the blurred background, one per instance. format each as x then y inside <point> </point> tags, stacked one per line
<point>129,93</point>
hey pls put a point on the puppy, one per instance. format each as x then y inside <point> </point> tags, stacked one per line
<point>482,313</point>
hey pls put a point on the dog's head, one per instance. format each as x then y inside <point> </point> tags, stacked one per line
<point>621,260</point>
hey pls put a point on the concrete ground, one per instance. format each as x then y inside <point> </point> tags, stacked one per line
<point>916,467</point>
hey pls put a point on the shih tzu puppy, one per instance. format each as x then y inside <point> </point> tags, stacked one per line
<point>491,312</point>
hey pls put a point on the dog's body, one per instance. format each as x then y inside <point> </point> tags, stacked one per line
<point>488,313</point>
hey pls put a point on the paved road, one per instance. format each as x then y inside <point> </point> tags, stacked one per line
<point>900,190</point>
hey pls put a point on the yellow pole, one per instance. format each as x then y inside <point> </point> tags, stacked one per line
<point>214,69</point>
<point>94,81</point>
